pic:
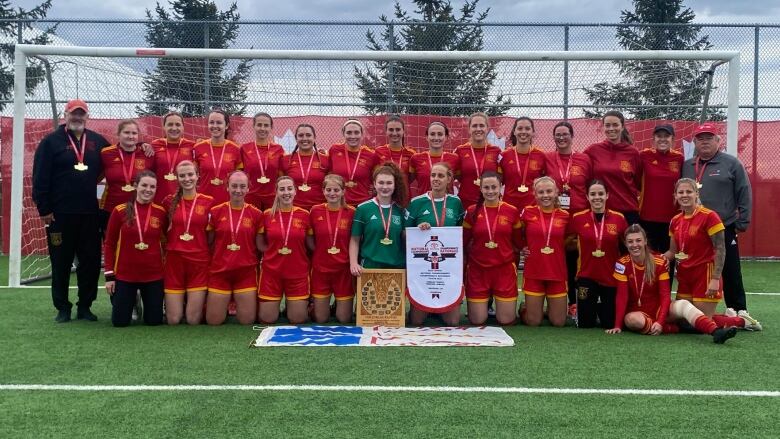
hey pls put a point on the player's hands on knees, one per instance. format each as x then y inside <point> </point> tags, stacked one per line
<point>424,226</point>
<point>713,287</point>
<point>656,329</point>
<point>355,269</point>
<point>614,331</point>
<point>110,287</point>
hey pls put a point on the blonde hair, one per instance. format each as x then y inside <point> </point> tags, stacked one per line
<point>352,121</point>
<point>275,205</point>
<point>339,180</point>
<point>547,179</point>
<point>179,191</point>
<point>694,186</point>
<point>649,257</point>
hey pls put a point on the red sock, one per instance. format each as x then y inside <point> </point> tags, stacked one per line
<point>671,328</point>
<point>726,321</point>
<point>705,325</point>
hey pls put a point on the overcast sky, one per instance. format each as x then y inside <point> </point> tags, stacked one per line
<point>709,11</point>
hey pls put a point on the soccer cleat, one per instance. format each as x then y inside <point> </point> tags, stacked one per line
<point>85,314</point>
<point>232,307</point>
<point>751,324</point>
<point>491,312</point>
<point>720,335</point>
<point>730,312</point>
<point>63,316</point>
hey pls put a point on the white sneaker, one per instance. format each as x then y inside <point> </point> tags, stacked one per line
<point>134,317</point>
<point>751,324</point>
<point>730,312</point>
<point>491,312</point>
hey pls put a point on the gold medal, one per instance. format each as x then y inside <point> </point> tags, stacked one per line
<point>170,177</point>
<point>233,247</point>
<point>548,250</point>
<point>598,253</point>
<point>263,180</point>
<point>141,246</point>
<point>304,188</point>
<point>491,244</point>
<point>80,166</point>
<point>477,181</point>
<point>699,185</point>
<point>523,188</point>
<point>216,181</point>
<point>284,251</point>
<point>681,256</point>
<point>186,237</point>
<point>386,241</point>
<point>334,250</point>
<point>128,188</point>
<point>566,187</point>
<point>350,183</point>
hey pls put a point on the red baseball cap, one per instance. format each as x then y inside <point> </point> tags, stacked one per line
<point>707,127</point>
<point>76,104</point>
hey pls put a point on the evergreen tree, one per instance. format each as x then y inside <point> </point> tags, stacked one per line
<point>179,84</point>
<point>10,32</point>
<point>412,87</point>
<point>656,83</point>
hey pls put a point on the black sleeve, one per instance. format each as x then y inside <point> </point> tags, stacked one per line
<point>41,176</point>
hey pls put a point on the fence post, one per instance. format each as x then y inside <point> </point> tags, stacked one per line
<point>206,69</point>
<point>566,74</point>
<point>754,171</point>
<point>389,107</point>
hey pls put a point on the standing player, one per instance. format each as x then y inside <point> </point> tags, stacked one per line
<point>169,151</point>
<point>262,160</point>
<point>121,163</point>
<point>307,167</point>
<point>377,239</point>
<point>396,150</point>
<point>544,276</point>
<point>354,162</point>
<point>285,267</point>
<point>187,251</point>
<point>616,162</point>
<point>332,225</point>
<point>521,164</point>
<point>599,231</point>
<point>436,209</point>
<point>66,170</point>
<point>697,245</point>
<point>643,295</point>
<point>492,239</point>
<point>661,167</point>
<point>421,163</point>
<point>216,157</point>
<point>475,157</point>
<point>234,237</point>
<point>133,251</point>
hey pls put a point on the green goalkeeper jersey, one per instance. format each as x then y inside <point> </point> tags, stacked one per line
<point>442,212</point>
<point>380,229</point>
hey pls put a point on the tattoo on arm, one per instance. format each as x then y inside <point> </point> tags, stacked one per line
<point>719,242</point>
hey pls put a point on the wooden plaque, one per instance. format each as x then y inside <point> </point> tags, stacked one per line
<point>381,298</point>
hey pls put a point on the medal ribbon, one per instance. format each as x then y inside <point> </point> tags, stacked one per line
<point>138,220</point>
<point>353,168</point>
<point>430,160</point>
<point>79,154</point>
<point>127,173</point>
<point>188,217</point>
<point>305,175</point>
<point>263,166</point>
<point>564,177</point>
<point>400,156</point>
<point>699,174</point>
<point>234,232</point>
<point>525,169</point>
<point>217,167</point>
<point>490,229</point>
<point>172,164</point>
<point>600,233</point>
<point>638,289</point>
<point>330,228</point>
<point>385,223</point>
<point>544,225</point>
<point>281,226</point>
<point>681,237</point>
<point>439,222</point>
<point>481,166</point>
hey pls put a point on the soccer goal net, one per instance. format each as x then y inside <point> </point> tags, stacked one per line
<point>325,88</point>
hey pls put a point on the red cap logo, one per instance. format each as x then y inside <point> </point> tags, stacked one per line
<point>708,128</point>
<point>76,104</point>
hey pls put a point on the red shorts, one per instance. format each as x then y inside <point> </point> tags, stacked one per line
<point>273,287</point>
<point>182,274</point>
<point>341,283</point>
<point>499,281</point>
<point>542,288</point>
<point>236,281</point>
<point>692,283</point>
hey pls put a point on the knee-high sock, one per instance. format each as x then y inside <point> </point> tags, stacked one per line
<point>705,324</point>
<point>724,321</point>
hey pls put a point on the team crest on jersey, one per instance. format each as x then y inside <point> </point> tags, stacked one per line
<point>559,222</point>
<point>297,222</point>
<point>576,170</point>
<point>612,229</point>
<point>625,166</point>
<point>246,222</point>
<point>344,224</point>
<point>396,220</point>
<point>229,157</point>
<point>503,220</point>
<point>693,230</point>
<point>674,166</point>
<point>200,210</point>
<point>140,164</point>
<point>534,165</point>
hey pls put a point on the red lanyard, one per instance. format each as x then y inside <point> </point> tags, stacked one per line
<point>353,169</point>
<point>544,226</point>
<point>285,231</point>
<point>188,217</point>
<point>564,177</point>
<point>263,166</point>
<point>699,173</point>
<point>305,175</point>
<point>138,223</point>
<point>234,231</point>
<point>490,229</point>
<point>600,233</point>
<point>330,228</point>
<point>127,173</point>
<point>525,169</point>
<point>79,154</point>
<point>217,167</point>
<point>481,166</point>
<point>385,223</point>
<point>439,221</point>
<point>172,164</point>
<point>638,289</point>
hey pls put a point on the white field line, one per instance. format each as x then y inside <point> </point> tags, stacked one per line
<point>393,389</point>
<point>37,287</point>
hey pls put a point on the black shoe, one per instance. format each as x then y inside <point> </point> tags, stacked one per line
<point>63,316</point>
<point>720,335</point>
<point>85,314</point>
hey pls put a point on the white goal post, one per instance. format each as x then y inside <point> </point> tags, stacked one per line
<point>23,52</point>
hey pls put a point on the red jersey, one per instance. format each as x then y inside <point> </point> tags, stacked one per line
<point>166,156</point>
<point>501,226</point>
<point>214,164</point>
<point>420,166</point>
<point>572,171</point>
<point>401,157</point>
<point>540,234</point>
<point>127,260</point>
<point>602,236</point>
<point>692,235</point>
<point>242,232</point>
<point>471,166</point>
<point>660,171</point>
<point>119,168</point>
<point>309,169</point>
<point>356,167</point>
<point>187,229</point>
<point>634,294</point>
<point>263,164</point>
<point>329,224</point>
<point>285,234</point>
<point>520,170</point>
<point>619,167</point>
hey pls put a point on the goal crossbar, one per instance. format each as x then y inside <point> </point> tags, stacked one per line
<point>23,51</point>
